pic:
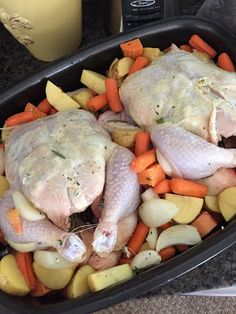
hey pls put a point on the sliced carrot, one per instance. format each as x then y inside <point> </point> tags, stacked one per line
<point>38,114</point>
<point>138,237</point>
<point>25,262</point>
<point>40,289</point>
<point>199,44</point>
<point>140,63</point>
<point>124,260</point>
<point>151,175</point>
<point>113,95</point>
<point>188,188</point>
<point>162,187</point>
<point>19,118</point>
<point>2,146</point>
<point>165,226</point>
<point>44,106</point>
<point>132,48</point>
<point>181,247</point>
<point>144,160</point>
<point>14,219</point>
<point>205,223</point>
<point>225,62</point>
<point>52,111</point>
<point>186,48</point>
<point>167,253</point>
<point>142,143</point>
<point>97,102</point>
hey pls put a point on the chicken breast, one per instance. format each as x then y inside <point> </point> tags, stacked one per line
<point>180,88</point>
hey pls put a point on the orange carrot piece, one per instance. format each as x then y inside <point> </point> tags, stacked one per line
<point>138,237</point>
<point>24,262</point>
<point>19,118</point>
<point>2,146</point>
<point>124,260</point>
<point>142,143</point>
<point>205,223</point>
<point>162,187</point>
<point>14,219</point>
<point>167,253</point>
<point>44,106</point>
<point>144,160</point>
<point>199,44</point>
<point>38,114</point>
<point>140,63</point>
<point>97,102</point>
<point>186,48</point>
<point>165,226</point>
<point>181,247</point>
<point>52,111</point>
<point>151,175</point>
<point>132,48</point>
<point>113,95</point>
<point>225,62</point>
<point>40,289</point>
<point>188,188</point>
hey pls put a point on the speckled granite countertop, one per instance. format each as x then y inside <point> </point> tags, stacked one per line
<point>15,65</point>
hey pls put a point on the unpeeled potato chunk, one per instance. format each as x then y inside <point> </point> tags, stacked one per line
<point>227,203</point>
<point>11,279</point>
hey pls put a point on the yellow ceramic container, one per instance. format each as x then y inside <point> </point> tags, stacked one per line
<point>49,29</point>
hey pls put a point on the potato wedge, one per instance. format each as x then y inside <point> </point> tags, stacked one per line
<point>145,259</point>
<point>51,260</point>
<point>93,80</point>
<point>125,137</point>
<point>79,283</point>
<point>189,207</point>
<point>58,99</point>
<point>151,53</point>
<point>53,278</point>
<point>105,278</point>
<point>11,279</point>
<point>4,185</point>
<point>109,74</point>
<point>5,133</point>
<point>157,212</point>
<point>121,68</point>
<point>227,203</point>
<point>23,247</point>
<point>202,55</point>
<point>83,96</point>
<point>212,203</point>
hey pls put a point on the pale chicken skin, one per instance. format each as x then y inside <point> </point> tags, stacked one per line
<point>63,162</point>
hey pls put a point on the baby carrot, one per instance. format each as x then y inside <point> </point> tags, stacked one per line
<point>113,95</point>
<point>188,188</point>
<point>181,247</point>
<point>137,239</point>
<point>186,48</point>
<point>36,112</point>
<point>165,226</point>
<point>132,48</point>
<point>14,219</point>
<point>97,102</point>
<point>144,160</point>
<point>151,175</point>
<point>44,106</point>
<point>167,253</point>
<point>40,289</point>
<point>19,118</point>
<point>142,143</point>
<point>205,223</point>
<point>140,63</point>
<point>162,187</point>
<point>24,262</point>
<point>52,111</point>
<point>225,62</point>
<point>199,44</point>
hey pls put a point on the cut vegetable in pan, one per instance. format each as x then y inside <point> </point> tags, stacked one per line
<point>145,259</point>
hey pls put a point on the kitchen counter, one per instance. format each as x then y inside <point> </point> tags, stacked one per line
<point>15,65</point>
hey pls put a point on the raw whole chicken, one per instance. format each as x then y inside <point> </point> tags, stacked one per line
<point>180,88</point>
<point>62,163</point>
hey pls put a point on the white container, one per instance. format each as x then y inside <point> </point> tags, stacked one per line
<point>49,29</point>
